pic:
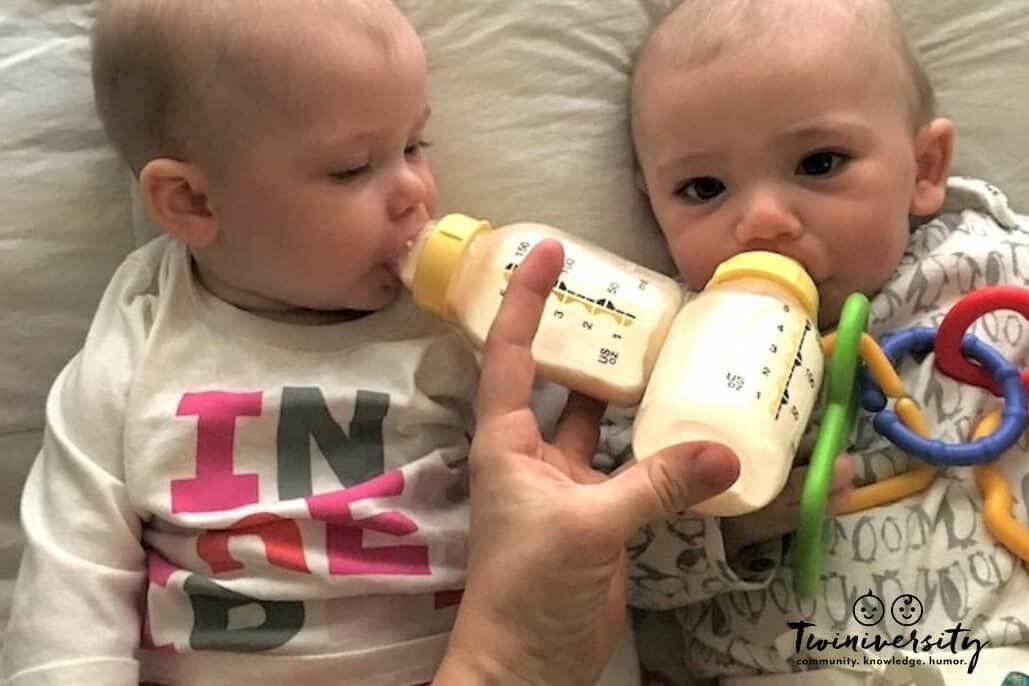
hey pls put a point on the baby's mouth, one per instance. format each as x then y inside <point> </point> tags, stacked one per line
<point>404,264</point>
<point>393,269</point>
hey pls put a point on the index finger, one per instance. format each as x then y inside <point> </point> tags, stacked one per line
<point>507,365</point>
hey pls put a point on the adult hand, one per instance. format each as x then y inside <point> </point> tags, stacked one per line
<point>545,595</point>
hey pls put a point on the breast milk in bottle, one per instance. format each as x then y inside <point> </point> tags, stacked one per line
<point>742,365</point>
<point>602,326</point>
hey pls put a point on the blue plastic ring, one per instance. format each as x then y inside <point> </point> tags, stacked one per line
<point>918,340</point>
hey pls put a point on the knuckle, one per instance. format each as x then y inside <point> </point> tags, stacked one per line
<point>672,495</point>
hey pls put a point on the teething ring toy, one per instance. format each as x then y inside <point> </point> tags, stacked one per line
<point>905,427</point>
<point>997,500</point>
<point>919,340</point>
<point>949,359</point>
<point>920,474</point>
<point>837,420</point>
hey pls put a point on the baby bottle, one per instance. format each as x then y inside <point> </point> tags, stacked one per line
<point>741,366</point>
<point>602,325</point>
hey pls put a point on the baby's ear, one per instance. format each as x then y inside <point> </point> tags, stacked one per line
<point>175,194</point>
<point>934,147</point>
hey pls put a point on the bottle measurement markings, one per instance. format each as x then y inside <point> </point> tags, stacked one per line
<point>798,361</point>
<point>592,305</point>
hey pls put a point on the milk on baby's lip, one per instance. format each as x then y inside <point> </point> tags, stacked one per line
<point>408,259</point>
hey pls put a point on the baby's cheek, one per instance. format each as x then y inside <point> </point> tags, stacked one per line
<point>698,246</point>
<point>692,268</point>
<point>692,283</point>
<point>881,256</point>
<point>877,269</point>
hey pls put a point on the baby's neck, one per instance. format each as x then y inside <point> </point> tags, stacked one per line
<point>304,317</point>
<point>261,307</point>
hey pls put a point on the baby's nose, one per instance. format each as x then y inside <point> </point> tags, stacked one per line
<point>410,191</point>
<point>765,219</point>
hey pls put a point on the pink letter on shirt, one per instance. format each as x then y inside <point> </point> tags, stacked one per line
<point>159,570</point>
<point>344,536</point>
<point>216,487</point>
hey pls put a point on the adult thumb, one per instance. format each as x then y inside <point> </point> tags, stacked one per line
<point>670,481</point>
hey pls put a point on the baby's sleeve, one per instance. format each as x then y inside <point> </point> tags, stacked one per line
<point>75,617</point>
<point>680,560</point>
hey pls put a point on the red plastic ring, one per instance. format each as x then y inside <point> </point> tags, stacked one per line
<point>949,359</point>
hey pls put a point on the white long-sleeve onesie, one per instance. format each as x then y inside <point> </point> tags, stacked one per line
<point>275,502</point>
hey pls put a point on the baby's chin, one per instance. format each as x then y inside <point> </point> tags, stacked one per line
<point>372,299</point>
<point>829,313</point>
<point>831,307</point>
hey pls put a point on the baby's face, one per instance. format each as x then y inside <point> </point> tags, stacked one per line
<point>327,182</point>
<point>807,151</point>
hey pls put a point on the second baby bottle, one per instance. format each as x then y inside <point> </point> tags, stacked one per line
<point>741,366</point>
<point>602,326</point>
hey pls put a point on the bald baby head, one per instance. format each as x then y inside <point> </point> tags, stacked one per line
<point>169,74</point>
<point>698,31</point>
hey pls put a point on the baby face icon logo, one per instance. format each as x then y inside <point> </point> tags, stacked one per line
<point>906,609</point>
<point>869,609</point>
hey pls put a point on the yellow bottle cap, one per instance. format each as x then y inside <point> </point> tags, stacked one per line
<point>783,270</point>
<point>440,257</point>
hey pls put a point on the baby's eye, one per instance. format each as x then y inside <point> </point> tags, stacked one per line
<point>415,148</point>
<point>701,189</point>
<point>350,174</point>
<point>822,163</point>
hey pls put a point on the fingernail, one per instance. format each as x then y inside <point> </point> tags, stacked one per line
<point>717,467</point>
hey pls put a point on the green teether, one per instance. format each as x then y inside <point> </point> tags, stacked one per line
<point>840,408</point>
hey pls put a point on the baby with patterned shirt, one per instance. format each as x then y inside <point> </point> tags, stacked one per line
<point>809,128</point>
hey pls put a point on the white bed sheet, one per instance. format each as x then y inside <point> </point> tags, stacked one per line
<point>529,123</point>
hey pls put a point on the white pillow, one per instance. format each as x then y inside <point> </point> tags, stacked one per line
<point>529,114</point>
<point>977,55</point>
<point>64,226</point>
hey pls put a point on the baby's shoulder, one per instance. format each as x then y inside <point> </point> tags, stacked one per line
<point>132,293</point>
<point>124,317</point>
<point>975,200</point>
<point>975,240</point>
